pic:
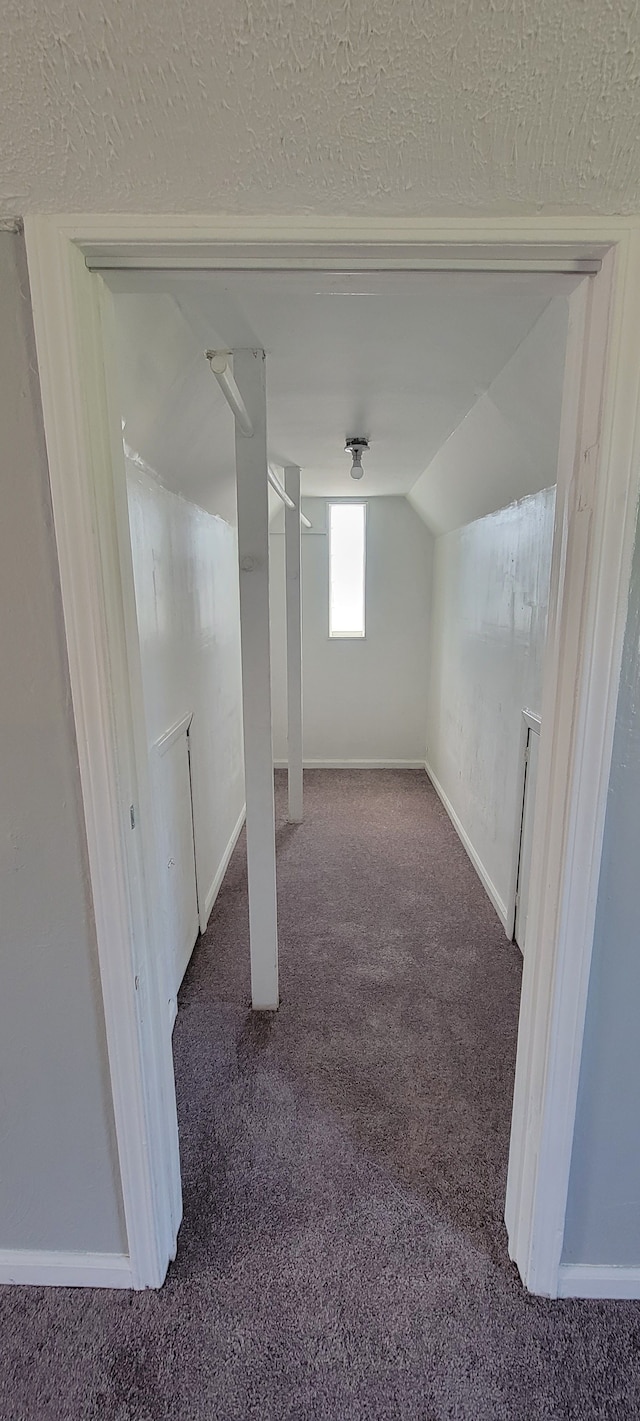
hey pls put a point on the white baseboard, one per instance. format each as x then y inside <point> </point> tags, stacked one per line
<point>221,870</point>
<point>489,887</point>
<point>65,1270</point>
<point>355,764</point>
<point>598,1280</point>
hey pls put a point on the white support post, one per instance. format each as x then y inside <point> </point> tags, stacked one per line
<point>253,554</point>
<point>292,542</point>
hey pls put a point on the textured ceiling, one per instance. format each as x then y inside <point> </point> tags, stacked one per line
<point>364,106</point>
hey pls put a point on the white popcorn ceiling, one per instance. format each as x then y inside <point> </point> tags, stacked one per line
<point>365,106</point>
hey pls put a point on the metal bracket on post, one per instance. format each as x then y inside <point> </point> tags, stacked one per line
<point>220,367</point>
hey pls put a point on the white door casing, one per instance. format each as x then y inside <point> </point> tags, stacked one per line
<point>594,528</point>
<point>171,780</point>
<point>530,777</point>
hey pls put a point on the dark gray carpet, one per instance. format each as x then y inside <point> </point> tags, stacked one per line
<point>343,1253</point>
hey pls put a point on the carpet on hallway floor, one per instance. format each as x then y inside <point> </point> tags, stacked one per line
<point>343,1254</point>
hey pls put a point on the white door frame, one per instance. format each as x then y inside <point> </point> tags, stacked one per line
<point>157,750</point>
<point>529,720</point>
<point>597,494</point>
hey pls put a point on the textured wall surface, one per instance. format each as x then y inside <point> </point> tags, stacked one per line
<point>185,564</point>
<point>490,598</point>
<point>59,1181</point>
<point>381,106</point>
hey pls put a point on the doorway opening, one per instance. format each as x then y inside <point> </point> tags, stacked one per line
<point>425,599</point>
<point>569,713</point>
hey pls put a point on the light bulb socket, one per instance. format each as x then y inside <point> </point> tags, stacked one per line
<point>356,448</point>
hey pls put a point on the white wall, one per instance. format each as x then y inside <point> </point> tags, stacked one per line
<point>173,414</point>
<point>363,700</point>
<point>59,1181</point>
<point>186,578</point>
<point>603,1206</point>
<point>490,598</point>
<point>507,445</point>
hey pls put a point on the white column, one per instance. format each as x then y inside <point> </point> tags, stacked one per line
<point>292,542</point>
<point>253,554</point>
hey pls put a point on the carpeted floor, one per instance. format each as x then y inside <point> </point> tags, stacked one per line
<point>342,1253</point>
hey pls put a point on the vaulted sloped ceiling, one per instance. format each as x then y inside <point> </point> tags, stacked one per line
<point>173,415</point>
<point>507,444</point>
<point>454,379</point>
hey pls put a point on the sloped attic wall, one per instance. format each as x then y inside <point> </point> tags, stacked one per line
<point>172,410</point>
<point>185,563</point>
<point>507,445</point>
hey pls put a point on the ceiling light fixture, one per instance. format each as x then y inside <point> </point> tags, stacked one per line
<point>356,448</point>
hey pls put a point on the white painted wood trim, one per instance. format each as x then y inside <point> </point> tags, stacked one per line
<point>294,241</point>
<point>112,753</point>
<point>598,1280</point>
<point>529,721</point>
<point>542,920</point>
<point>487,884</point>
<point>556,974</point>
<point>595,522</point>
<point>293,588</point>
<point>65,1270</point>
<point>156,1055</point>
<point>165,741</point>
<point>355,764</point>
<point>223,866</point>
<point>158,749</point>
<point>253,556</point>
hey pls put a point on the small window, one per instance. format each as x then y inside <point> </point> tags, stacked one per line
<point>347,523</point>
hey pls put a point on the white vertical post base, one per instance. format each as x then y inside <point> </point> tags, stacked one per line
<point>292,538</point>
<point>253,554</point>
